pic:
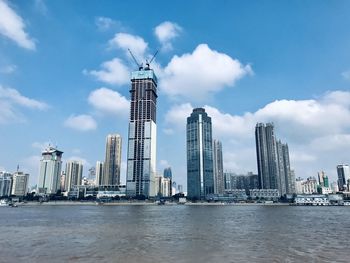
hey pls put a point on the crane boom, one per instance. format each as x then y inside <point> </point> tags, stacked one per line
<point>135,60</point>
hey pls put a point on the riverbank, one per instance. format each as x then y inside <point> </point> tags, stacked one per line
<point>90,203</point>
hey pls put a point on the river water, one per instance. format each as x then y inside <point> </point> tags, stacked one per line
<point>174,234</point>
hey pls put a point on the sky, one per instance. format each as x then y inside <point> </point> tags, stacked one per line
<point>65,78</point>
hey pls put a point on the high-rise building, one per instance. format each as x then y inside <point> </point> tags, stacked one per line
<point>285,175</point>
<point>50,171</point>
<point>20,184</point>
<point>266,156</point>
<point>99,173</point>
<point>343,171</point>
<point>219,183</point>
<point>141,164</point>
<point>200,178</point>
<point>5,184</point>
<point>168,174</point>
<point>74,174</point>
<point>111,174</point>
<point>162,186</point>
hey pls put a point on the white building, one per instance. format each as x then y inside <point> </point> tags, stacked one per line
<point>20,184</point>
<point>162,186</point>
<point>309,186</point>
<point>311,200</point>
<point>50,171</point>
<point>74,173</point>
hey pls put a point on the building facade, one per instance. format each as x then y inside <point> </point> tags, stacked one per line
<point>219,183</point>
<point>343,171</point>
<point>266,156</point>
<point>20,184</point>
<point>111,174</point>
<point>5,184</point>
<point>99,173</point>
<point>74,174</point>
<point>167,173</point>
<point>141,158</point>
<point>200,177</point>
<point>273,161</point>
<point>50,171</point>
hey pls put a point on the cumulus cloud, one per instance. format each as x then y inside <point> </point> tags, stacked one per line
<point>127,41</point>
<point>112,72</point>
<point>13,27</point>
<point>204,71</point>
<point>11,100</point>
<point>109,101</point>
<point>81,122</point>
<point>317,131</point>
<point>165,32</point>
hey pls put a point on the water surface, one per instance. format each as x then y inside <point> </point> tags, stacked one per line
<point>174,234</point>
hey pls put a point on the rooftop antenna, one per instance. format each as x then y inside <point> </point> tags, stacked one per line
<point>135,60</point>
<point>149,63</point>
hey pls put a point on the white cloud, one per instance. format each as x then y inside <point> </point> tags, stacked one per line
<point>13,27</point>
<point>195,76</point>
<point>126,41</point>
<point>8,69</point>
<point>14,96</point>
<point>165,32</point>
<point>317,131</point>
<point>109,101</point>
<point>104,23</point>
<point>177,115</point>
<point>112,72</point>
<point>81,122</point>
<point>11,100</point>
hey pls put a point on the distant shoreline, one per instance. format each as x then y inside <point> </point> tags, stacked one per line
<point>77,203</point>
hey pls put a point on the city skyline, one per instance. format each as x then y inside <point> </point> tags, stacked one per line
<point>69,98</point>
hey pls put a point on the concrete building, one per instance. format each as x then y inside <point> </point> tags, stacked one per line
<point>200,178</point>
<point>266,152</point>
<point>99,173</point>
<point>167,173</point>
<point>219,183</point>
<point>246,182</point>
<point>74,173</point>
<point>343,171</point>
<point>141,158</point>
<point>50,171</point>
<point>162,186</point>
<point>20,184</point>
<point>309,186</point>
<point>5,184</point>
<point>111,174</point>
<point>269,194</point>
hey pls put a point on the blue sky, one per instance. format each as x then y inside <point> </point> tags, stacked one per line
<point>64,78</point>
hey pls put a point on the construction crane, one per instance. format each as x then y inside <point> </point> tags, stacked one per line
<point>140,65</point>
<point>148,63</point>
